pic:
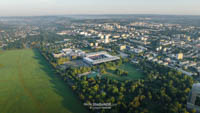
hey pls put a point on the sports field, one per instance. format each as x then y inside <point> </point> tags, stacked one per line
<point>29,85</point>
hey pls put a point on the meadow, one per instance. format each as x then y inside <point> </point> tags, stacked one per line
<point>28,84</point>
<point>133,72</point>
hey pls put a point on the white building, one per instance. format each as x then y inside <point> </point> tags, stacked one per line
<point>106,40</point>
<point>68,52</point>
<point>99,57</point>
<point>96,44</point>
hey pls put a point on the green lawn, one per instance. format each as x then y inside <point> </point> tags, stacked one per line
<point>133,72</point>
<point>29,85</point>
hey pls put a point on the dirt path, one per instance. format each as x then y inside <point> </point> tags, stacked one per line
<point>26,90</point>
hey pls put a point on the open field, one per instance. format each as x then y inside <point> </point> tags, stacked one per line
<point>133,73</point>
<point>29,85</point>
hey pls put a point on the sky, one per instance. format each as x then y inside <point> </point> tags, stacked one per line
<point>68,7</point>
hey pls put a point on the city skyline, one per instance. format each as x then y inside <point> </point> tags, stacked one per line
<point>67,7</point>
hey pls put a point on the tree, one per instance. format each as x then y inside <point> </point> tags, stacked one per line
<point>103,71</point>
<point>82,97</point>
<point>103,94</point>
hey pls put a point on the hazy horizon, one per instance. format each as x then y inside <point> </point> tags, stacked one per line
<point>96,7</point>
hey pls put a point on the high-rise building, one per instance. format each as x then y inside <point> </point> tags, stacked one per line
<point>96,44</point>
<point>194,98</point>
<point>106,40</point>
<point>188,38</point>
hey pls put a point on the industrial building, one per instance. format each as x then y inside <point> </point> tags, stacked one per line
<point>99,57</point>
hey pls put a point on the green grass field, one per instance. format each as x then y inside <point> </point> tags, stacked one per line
<point>133,73</point>
<point>29,85</point>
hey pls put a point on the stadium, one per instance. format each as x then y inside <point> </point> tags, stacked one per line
<point>99,57</point>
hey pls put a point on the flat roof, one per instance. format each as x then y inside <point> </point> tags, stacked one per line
<point>101,60</point>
